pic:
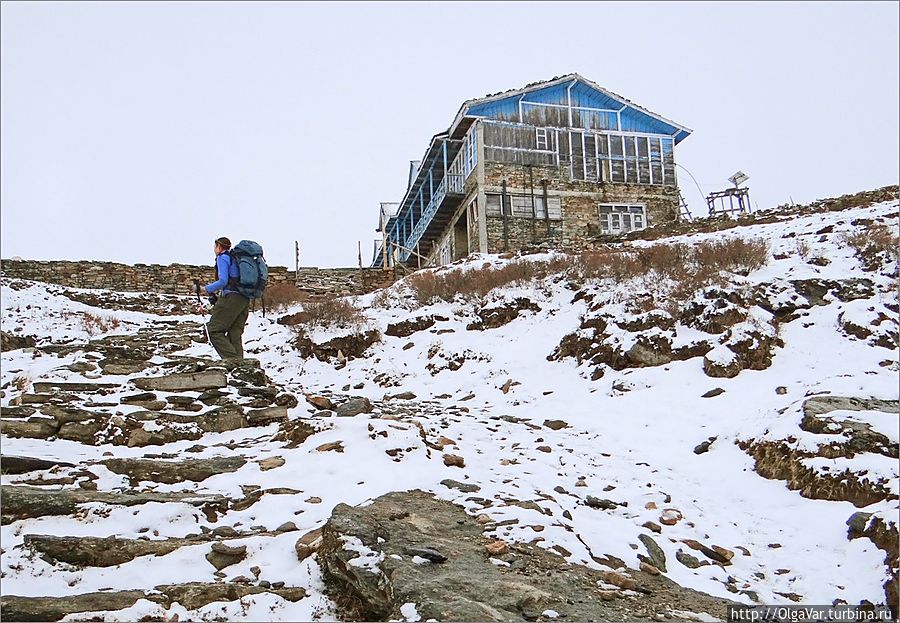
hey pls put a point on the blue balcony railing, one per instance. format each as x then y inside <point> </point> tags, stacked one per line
<point>452,184</point>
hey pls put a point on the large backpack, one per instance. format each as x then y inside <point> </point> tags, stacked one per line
<point>253,273</point>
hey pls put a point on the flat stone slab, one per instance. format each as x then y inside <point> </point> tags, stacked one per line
<point>45,387</point>
<point>24,502</point>
<point>192,596</point>
<point>25,464</point>
<point>172,472</point>
<point>189,381</point>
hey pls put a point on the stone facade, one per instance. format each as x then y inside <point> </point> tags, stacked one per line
<point>579,202</point>
<point>179,278</point>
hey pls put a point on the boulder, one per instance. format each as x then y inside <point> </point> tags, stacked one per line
<point>354,406</point>
<point>408,327</point>
<point>372,556</point>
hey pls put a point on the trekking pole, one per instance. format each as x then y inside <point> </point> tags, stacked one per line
<point>200,308</point>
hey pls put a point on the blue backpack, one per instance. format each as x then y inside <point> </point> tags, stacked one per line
<point>253,273</point>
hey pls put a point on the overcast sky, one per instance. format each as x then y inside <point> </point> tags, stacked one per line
<point>140,132</point>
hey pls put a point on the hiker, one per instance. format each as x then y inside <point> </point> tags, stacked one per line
<point>230,308</point>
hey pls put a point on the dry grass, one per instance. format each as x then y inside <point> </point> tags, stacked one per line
<point>874,245</point>
<point>94,324</point>
<point>282,295</point>
<point>689,267</point>
<point>330,313</point>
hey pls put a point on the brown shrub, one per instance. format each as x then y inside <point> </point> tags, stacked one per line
<point>94,324</point>
<point>283,295</point>
<point>690,267</point>
<point>874,245</point>
<point>735,255</point>
<point>475,283</point>
<point>337,313</point>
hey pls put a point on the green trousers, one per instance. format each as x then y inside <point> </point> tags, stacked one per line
<point>226,327</point>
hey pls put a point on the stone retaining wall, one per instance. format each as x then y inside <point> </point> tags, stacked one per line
<point>179,278</point>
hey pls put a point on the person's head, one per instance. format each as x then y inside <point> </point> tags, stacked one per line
<point>222,244</point>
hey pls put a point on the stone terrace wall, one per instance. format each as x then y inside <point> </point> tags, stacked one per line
<point>179,278</point>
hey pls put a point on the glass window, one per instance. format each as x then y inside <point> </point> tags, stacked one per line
<point>541,138</point>
<point>615,219</point>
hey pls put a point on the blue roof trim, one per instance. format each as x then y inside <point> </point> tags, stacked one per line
<point>584,94</point>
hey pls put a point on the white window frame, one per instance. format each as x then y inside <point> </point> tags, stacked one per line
<point>540,138</point>
<point>621,218</point>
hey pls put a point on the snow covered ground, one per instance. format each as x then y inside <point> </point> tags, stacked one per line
<point>628,437</point>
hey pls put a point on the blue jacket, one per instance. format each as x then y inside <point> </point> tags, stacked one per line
<point>226,269</point>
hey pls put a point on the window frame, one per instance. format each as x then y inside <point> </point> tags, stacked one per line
<point>621,218</point>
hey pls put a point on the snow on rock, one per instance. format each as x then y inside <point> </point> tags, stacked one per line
<point>804,350</point>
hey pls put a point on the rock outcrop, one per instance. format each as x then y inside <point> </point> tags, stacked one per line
<point>410,548</point>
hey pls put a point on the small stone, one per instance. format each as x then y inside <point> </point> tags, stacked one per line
<point>650,506</point>
<point>307,544</point>
<point>271,463</point>
<point>265,584</point>
<point>255,571</point>
<point>781,390</point>
<point>497,548</point>
<point>655,527</point>
<point>313,500</point>
<point>607,595</point>
<point>555,424</point>
<point>288,526</point>
<point>227,550</point>
<point>691,562</point>
<point>618,579</point>
<point>359,386</point>
<point>354,406</point>
<point>320,402</point>
<point>704,447</point>
<point>727,554</point>
<point>648,568</point>
<point>333,445</point>
<point>670,517</point>
<point>600,503</point>
<point>460,486</point>
<point>452,460</point>
<point>286,400</point>
<point>444,441</point>
<point>713,393</point>
<point>544,449</point>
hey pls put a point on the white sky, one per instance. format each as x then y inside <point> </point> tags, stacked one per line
<point>140,132</point>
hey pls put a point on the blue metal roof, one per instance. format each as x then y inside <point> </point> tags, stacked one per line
<point>580,93</point>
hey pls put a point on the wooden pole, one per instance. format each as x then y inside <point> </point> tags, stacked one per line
<point>297,263</point>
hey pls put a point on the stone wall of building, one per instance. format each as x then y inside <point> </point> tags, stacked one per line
<point>579,206</point>
<point>179,278</point>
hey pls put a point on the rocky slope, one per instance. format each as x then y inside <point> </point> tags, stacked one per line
<point>583,448</point>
